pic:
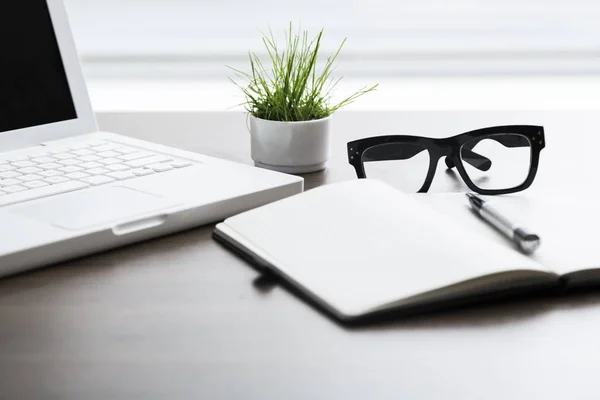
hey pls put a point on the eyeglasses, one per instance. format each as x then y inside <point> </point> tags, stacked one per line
<point>494,160</point>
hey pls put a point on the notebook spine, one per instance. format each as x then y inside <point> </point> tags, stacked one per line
<point>255,261</point>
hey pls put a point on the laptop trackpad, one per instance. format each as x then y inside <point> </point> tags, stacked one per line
<point>80,210</point>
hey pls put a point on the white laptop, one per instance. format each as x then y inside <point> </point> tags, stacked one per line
<point>67,189</point>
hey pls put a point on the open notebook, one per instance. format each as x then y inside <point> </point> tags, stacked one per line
<point>361,248</point>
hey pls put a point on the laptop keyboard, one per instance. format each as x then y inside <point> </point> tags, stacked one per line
<point>45,173</point>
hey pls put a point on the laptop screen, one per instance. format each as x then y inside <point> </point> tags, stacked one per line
<point>33,85</point>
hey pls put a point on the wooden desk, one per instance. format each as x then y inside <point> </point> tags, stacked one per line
<point>181,318</point>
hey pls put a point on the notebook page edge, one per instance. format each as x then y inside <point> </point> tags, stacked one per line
<point>473,287</point>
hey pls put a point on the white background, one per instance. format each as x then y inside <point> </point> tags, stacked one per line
<point>469,49</point>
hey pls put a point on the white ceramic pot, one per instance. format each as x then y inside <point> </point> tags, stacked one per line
<point>290,147</point>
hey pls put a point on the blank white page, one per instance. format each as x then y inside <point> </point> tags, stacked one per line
<point>360,244</point>
<point>567,222</point>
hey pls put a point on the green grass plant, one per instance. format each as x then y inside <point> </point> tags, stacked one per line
<point>295,86</point>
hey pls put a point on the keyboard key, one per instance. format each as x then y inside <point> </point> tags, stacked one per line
<point>52,152</point>
<point>6,167</point>
<point>134,156</point>
<point>125,150</point>
<point>37,154</point>
<point>50,172</point>
<point>28,170</point>
<point>89,165</point>
<point>95,143</point>
<point>181,164</point>
<point>148,160</point>
<point>77,175</point>
<point>90,158</point>
<point>70,161</point>
<point>50,190</point>
<point>42,160</point>
<point>142,171</point>
<point>70,168</point>
<point>9,182</point>
<point>78,146</point>
<point>97,171</point>
<point>56,179</point>
<point>14,188</point>
<point>30,177</point>
<point>35,184</point>
<point>9,174</point>
<point>98,180</point>
<point>161,167</point>
<point>23,164</point>
<point>106,147</point>
<point>83,152</point>
<point>107,154</point>
<point>118,167</point>
<point>16,158</point>
<point>63,156</point>
<point>120,175</point>
<point>50,165</point>
<point>109,161</point>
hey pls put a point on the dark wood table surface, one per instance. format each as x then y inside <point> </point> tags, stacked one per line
<point>179,317</point>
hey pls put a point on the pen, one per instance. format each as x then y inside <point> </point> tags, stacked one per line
<point>527,242</point>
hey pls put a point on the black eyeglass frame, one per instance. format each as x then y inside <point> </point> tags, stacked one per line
<point>450,148</point>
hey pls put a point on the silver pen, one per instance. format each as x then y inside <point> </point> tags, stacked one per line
<point>526,241</point>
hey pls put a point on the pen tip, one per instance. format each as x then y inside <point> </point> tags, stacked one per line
<point>474,200</point>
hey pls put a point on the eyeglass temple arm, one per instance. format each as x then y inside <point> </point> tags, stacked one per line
<point>470,157</point>
<point>483,163</point>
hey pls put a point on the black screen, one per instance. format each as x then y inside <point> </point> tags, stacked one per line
<point>33,85</point>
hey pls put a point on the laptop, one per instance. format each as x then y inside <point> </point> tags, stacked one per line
<point>67,189</point>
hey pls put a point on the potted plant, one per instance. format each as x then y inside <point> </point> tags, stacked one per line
<point>289,103</point>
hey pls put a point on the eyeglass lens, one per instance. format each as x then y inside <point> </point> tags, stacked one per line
<point>509,158</point>
<point>402,165</point>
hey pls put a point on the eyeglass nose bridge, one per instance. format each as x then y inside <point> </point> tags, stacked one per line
<point>447,150</point>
